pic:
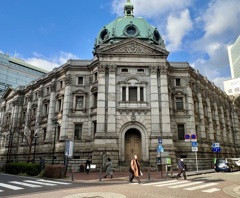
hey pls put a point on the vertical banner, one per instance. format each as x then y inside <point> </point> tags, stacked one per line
<point>69,148</point>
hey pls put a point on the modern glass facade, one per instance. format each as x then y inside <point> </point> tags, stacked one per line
<point>234,58</point>
<point>15,72</point>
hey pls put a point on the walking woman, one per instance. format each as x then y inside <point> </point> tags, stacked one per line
<point>109,168</point>
<point>135,167</point>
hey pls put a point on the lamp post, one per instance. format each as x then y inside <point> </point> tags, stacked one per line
<point>55,122</point>
<point>35,143</point>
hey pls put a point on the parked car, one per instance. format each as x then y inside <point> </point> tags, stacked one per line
<point>236,161</point>
<point>225,165</point>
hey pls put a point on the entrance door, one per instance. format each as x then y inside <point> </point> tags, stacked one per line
<point>132,144</point>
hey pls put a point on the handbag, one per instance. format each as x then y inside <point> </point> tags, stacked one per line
<point>130,169</point>
<point>141,174</point>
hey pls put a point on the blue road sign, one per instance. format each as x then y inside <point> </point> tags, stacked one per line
<point>193,136</point>
<point>160,149</point>
<point>194,144</point>
<point>159,140</point>
<point>216,149</point>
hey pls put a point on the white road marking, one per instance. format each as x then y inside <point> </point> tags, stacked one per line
<point>10,186</point>
<point>168,184</point>
<point>201,186</point>
<point>41,183</point>
<point>54,182</point>
<point>184,185</point>
<point>154,183</point>
<point>211,190</point>
<point>24,184</point>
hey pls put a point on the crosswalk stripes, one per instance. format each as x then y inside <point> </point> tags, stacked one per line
<point>25,184</point>
<point>19,185</point>
<point>186,185</point>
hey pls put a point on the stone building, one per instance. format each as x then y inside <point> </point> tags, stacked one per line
<point>122,102</point>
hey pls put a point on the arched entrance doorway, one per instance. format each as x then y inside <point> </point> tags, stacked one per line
<point>133,144</point>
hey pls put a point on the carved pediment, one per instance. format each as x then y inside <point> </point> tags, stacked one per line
<point>133,46</point>
<point>79,91</point>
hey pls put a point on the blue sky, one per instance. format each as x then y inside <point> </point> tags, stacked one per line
<point>47,33</point>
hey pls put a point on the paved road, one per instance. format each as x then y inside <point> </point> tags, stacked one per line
<point>215,185</point>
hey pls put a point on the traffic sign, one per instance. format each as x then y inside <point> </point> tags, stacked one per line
<point>216,149</point>
<point>193,137</point>
<point>160,149</point>
<point>159,140</point>
<point>194,148</point>
<point>187,137</point>
<point>194,144</point>
<point>215,145</point>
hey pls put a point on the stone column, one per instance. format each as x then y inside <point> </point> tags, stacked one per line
<point>111,119</point>
<point>154,103</point>
<point>209,112</point>
<point>229,130</point>
<point>39,110</point>
<point>190,129</point>
<point>224,132</point>
<point>66,107</point>
<point>101,101</point>
<point>202,131</point>
<point>28,114</point>
<point>236,133</point>
<point>218,132</point>
<point>51,111</point>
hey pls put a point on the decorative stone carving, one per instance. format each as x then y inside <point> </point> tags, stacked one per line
<point>101,68</point>
<point>112,68</point>
<point>133,118</point>
<point>153,69</point>
<point>133,48</point>
<point>163,70</point>
<point>68,80</point>
<point>53,86</point>
<point>40,92</point>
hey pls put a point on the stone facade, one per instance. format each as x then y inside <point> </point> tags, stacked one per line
<point>120,104</point>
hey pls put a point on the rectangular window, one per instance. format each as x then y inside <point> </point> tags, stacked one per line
<point>181,132</point>
<point>58,132</point>
<point>123,93</point>
<point>59,105</point>
<point>94,127</point>
<point>80,80</point>
<point>44,133</point>
<point>78,132</point>
<point>61,84</point>
<point>179,103</point>
<point>141,94</point>
<point>140,70</point>
<point>95,77</point>
<point>79,102</point>
<point>45,110</point>
<point>95,100</point>
<point>124,70</point>
<point>132,94</point>
<point>47,90</point>
<point>177,81</point>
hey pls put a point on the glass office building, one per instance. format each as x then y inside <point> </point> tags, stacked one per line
<point>15,72</point>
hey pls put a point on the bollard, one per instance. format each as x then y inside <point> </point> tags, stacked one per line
<point>166,171</point>
<point>100,175</point>
<point>72,174</point>
<point>148,173</point>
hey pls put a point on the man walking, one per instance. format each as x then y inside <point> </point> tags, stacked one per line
<point>135,169</point>
<point>181,169</point>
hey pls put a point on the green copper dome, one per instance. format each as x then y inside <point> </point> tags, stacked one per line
<point>128,27</point>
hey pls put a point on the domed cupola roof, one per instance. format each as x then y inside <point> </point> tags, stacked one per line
<point>126,27</point>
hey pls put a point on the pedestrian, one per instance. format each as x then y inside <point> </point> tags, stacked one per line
<point>109,170</point>
<point>42,163</point>
<point>87,165</point>
<point>135,169</point>
<point>181,169</point>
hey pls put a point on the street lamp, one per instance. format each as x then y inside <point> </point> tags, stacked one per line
<point>55,122</point>
<point>35,143</point>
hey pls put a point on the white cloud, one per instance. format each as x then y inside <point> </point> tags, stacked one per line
<point>222,17</point>
<point>48,63</point>
<point>177,28</point>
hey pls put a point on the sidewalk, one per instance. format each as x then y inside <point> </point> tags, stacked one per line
<point>97,176</point>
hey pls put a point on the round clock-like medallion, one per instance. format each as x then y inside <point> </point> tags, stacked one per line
<point>104,34</point>
<point>131,30</point>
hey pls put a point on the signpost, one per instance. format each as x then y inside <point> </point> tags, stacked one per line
<point>195,147</point>
<point>160,150</point>
<point>216,148</point>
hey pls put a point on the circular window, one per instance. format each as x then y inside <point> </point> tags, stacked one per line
<point>131,30</point>
<point>104,34</point>
<point>156,35</point>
